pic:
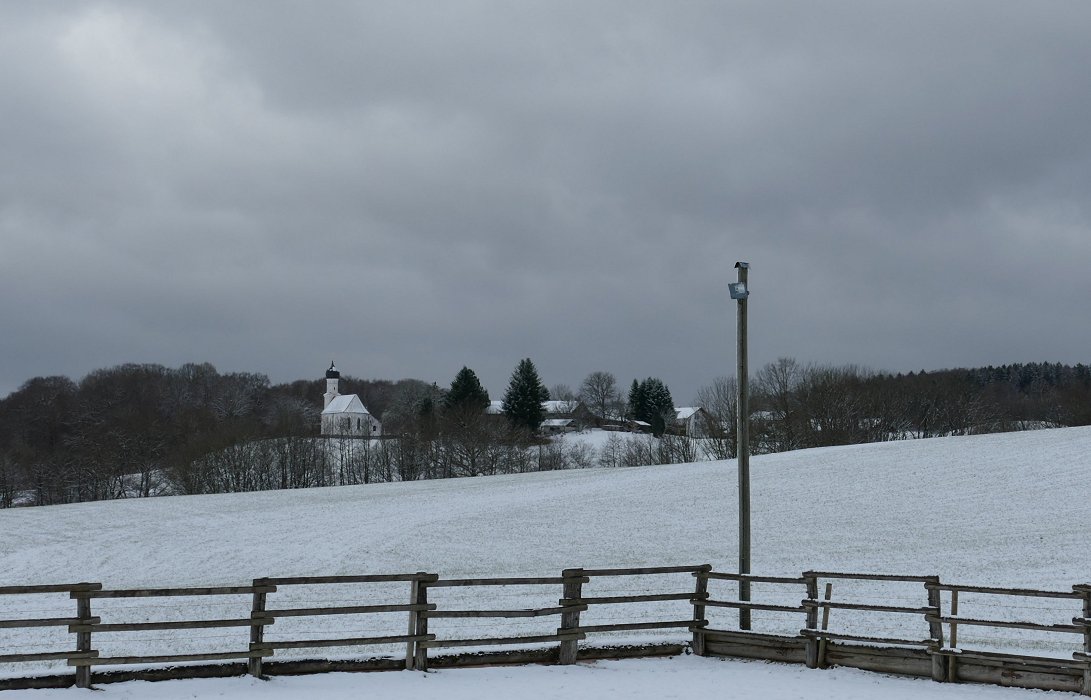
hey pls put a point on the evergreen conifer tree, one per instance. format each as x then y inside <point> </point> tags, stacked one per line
<point>636,401</point>
<point>524,397</point>
<point>658,404</point>
<point>650,401</point>
<point>466,393</point>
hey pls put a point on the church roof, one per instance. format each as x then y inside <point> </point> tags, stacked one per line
<point>345,403</point>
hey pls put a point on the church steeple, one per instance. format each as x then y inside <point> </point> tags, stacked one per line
<point>332,378</point>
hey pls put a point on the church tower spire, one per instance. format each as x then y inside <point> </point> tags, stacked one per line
<point>332,378</point>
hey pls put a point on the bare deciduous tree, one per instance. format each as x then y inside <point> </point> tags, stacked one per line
<point>600,393</point>
<point>720,401</point>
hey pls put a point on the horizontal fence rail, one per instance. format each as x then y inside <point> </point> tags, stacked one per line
<point>882,622</point>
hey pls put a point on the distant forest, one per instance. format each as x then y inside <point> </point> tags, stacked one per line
<point>146,430</point>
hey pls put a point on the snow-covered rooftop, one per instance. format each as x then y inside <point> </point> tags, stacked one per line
<point>559,406</point>
<point>345,403</point>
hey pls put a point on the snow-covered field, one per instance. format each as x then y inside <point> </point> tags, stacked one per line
<point>999,510</point>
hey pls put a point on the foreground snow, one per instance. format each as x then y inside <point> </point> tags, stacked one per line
<point>644,679</point>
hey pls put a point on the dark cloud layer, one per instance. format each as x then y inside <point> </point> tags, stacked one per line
<point>409,187</point>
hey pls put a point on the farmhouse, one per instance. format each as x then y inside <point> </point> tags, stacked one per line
<point>345,415</point>
<point>691,421</point>
<point>558,416</point>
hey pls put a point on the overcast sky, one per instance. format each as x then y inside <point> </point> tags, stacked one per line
<point>410,187</point>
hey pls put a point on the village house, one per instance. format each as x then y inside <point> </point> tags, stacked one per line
<point>691,421</point>
<point>559,416</point>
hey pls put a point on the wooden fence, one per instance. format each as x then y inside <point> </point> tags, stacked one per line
<point>925,610</point>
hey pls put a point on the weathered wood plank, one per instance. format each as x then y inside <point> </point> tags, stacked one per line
<point>541,612</point>
<point>868,607</point>
<point>370,578</point>
<point>1026,592</point>
<point>610,600</point>
<point>257,632</point>
<point>1013,624</point>
<point>718,576</point>
<point>647,570</point>
<point>823,640</point>
<point>820,634</point>
<point>812,623</point>
<point>347,642</point>
<point>528,581</point>
<point>996,658</point>
<point>908,662</point>
<point>45,622</point>
<point>83,640</point>
<point>174,625</point>
<point>700,594</point>
<point>416,656</point>
<point>764,653</point>
<point>46,656</point>
<point>622,627</point>
<point>752,606</point>
<point>752,638</point>
<point>1085,590</point>
<point>346,610</point>
<point>51,588</point>
<point>500,641</point>
<point>172,592</point>
<point>570,618</point>
<point>976,671</point>
<point>169,658</point>
<point>869,577</point>
<point>935,631</point>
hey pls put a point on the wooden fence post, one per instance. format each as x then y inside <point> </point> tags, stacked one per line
<point>83,637</point>
<point>571,594</point>
<point>812,619</point>
<point>935,630</point>
<point>411,647</point>
<point>825,626</point>
<point>700,595</point>
<point>952,661</point>
<point>420,654</point>
<point>257,632</point>
<point>1086,590</point>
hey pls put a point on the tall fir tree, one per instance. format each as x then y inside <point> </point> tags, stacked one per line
<point>524,397</point>
<point>650,401</point>
<point>466,393</point>
<point>636,401</point>
<point>658,404</point>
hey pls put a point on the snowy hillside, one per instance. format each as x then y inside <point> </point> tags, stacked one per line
<point>1002,510</point>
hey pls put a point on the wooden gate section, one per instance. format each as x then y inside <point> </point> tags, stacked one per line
<point>1011,669</point>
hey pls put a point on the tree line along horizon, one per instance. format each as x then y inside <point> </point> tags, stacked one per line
<point>145,429</point>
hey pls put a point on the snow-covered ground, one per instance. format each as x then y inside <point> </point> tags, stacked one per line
<point>681,678</point>
<point>1000,510</point>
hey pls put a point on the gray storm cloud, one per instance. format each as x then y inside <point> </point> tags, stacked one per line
<point>411,188</point>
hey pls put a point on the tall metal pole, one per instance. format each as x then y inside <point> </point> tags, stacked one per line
<point>741,292</point>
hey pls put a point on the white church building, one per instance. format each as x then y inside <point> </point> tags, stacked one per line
<point>345,415</point>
